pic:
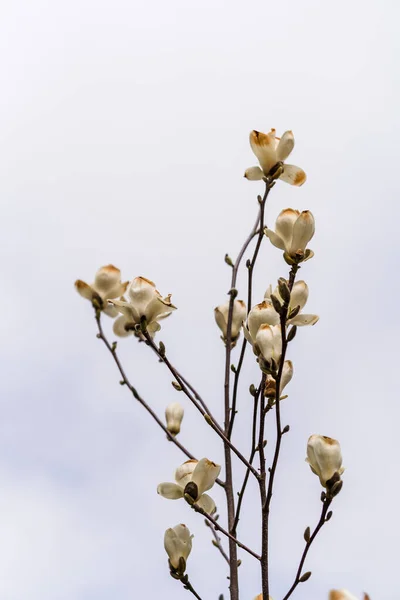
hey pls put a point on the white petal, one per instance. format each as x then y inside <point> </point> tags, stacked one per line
<point>206,503</point>
<point>84,289</point>
<point>303,231</point>
<point>119,327</point>
<point>110,311</point>
<point>285,146</point>
<point>275,239</point>
<point>170,491</point>
<point>205,474</point>
<point>260,314</point>
<point>268,292</point>
<point>140,292</point>
<point>264,147</point>
<point>264,340</point>
<point>254,174</point>
<point>287,374</point>
<point>107,278</point>
<point>247,335</point>
<point>299,294</point>
<point>284,225</point>
<point>126,309</point>
<point>303,319</point>
<point>183,474</point>
<point>293,175</point>
<point>324,456</point>
<point>173,416</point>
<point>177,543</point>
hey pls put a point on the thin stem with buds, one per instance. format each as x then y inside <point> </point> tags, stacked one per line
<point>188,586</point>
<point>217,540</point>
<point>323,519</point>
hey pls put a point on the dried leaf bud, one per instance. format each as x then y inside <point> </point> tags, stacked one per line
<point>174,416</point>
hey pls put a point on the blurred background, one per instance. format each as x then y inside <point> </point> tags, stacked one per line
<point>124,138</point>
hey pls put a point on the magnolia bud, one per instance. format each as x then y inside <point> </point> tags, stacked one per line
<point>178,545</point>
<point>174,416</point>
<point>269,341</point>
<point>325,458</point>
<point>221,314</point>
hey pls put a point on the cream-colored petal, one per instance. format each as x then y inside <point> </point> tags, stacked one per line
<point>341,595</point>
<point>119,327</point>
<point>324,456</point>
<point>126,309</point>
<point>205,474</point>
<point>287,374</point>
<point>303,231</point>
<point>275,239</point>
<point>173,416</point>
<point>110,311</point>
<point>264,340</point>
<point>207,504</point>
<point>171,491</point>
<point>84,289</point>
<point>303,319</point>
<point>107,278</point>
<point>293,175</point>
<point>177,544</point>
<point>285,146</point>
<point>247,335</point>
<point>284,226</point>
<point>140,293</point>
<point>264,147</point>
<point>259,315</point>
<point>183,473</point>
<point>254,174</point>
<point>299,294</point>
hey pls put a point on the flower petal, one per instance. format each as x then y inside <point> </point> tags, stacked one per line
<point>254,174</point>
<point>119,327</point>
<point>259,315</point>
<point>303,319</point>
<point>183,474</point>
<point>303,231</point>
<point>205,474</point>
<point>107,278</point>
<point>170,491</point>
<point>275,239</point>
<point>206,503</point>
<point>285,146</point>
<point>284,226</point>
<point>84,289</point>
<point>299,294</point>
<point>287,374</point>
<point>264,147</point>
<point>293,175</point>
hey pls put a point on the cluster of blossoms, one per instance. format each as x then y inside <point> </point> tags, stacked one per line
<point>268,327</point>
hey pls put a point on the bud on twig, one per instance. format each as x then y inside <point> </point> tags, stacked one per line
<point>305,577</point>
<point>228,260</point>
<point>252,390</point>
<point>161,349</point>
<point>284,290</point>
<point>276,304</point>
<point>176,385</point>
<point>286,429</point>
<point>307,535</point>
<point>292,333</point>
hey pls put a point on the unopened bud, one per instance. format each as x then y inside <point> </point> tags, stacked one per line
<point>307,534</point>
<point>286,429</point>
<point>161,349</point>
<point>329,516</point>
<point>228,260</point>
<point>284,290</point>
<point>252,390</point>
<point>294,312</point>
<point>174,416</point>
<point>305,577</point>
<point>292,333</point>
<point>276,304</point>
<point>176,385</point>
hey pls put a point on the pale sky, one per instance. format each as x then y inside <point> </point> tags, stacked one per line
<point>124,140</point>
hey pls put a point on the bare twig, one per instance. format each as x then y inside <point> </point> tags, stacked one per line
<point>222,530</point>
<point>322,520</point>
<point>217,541</point>
<point>188,586</point>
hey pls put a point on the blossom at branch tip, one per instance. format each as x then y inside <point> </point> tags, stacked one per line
<point>174,416</point>
<point>272,151</point>
<point>325,459</point>
<point>193,478</point>
<point>144,301</point>
<point>293,231</point>
<point>178,545</point>
<point>221,314</point>
<point>344,595</point>
<point>298,297</point>
<point>107,285</point>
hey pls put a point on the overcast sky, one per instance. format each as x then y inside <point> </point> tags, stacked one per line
<point>124,138</point>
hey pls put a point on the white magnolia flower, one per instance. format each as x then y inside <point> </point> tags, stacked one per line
<point>174,416</point>
<point>221,314</point>
<point>107,285</point>
<point>293,231</point>
<point>270,150</point>
<point>178,545</point>
<point>287,374</point>
<point>298,297</point>
<point>269,342</point>
<point>344,595</point>
<point>193,478</point>
<point>144,301</point>
<point>324,457</point>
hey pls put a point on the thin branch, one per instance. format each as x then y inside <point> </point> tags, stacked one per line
<point>208,417</point>
<point>266,500</point>
<point>125,380</point>
<point>252,454</point>
<point>188,586</point>
<point>218,527</point>
<point>322,520</point>
<point>217,541</point>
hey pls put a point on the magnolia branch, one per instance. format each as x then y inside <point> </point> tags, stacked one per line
<point>222,530</point>
<point>188,586</point>
<point>323,519</point>
<point>217,541</point>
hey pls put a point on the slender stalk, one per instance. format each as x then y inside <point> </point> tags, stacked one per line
<point>322,520</point>
<point>218,527</point>
<point>266,498</point>
<point>209,418</point>
<point>230,501</point>
<point>217,541</point>
<point>252,455</point>
<point>188,586</point>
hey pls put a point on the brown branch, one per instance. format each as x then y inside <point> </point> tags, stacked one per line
<point>326,504</point>
<point>222,530</point>
<point>188,586</point>
<point>217,541</point>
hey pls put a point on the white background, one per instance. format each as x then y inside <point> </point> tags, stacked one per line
<point>124,138</point>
